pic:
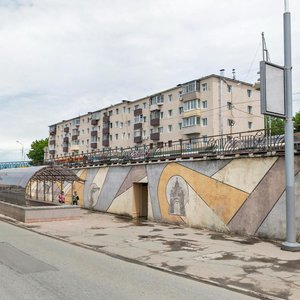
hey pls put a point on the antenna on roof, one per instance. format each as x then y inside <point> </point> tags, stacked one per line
<point>265,52</point>
<point>233,74</point>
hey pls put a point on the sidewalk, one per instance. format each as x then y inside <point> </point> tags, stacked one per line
<point>249,265</point>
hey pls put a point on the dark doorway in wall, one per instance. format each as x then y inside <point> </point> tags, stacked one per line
<point>140,200</point>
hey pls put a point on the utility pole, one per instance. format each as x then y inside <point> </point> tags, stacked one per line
<point>290,244</point>
<point>22,158</point>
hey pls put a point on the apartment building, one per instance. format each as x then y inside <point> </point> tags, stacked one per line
<point>211,105</point>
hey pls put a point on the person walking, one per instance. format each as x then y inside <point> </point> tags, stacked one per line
<point>61,197</point>
<point>75,198</point>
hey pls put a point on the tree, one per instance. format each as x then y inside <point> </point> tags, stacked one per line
<point>296,120</point>
<point>277,126</point>
<point>36,153</point>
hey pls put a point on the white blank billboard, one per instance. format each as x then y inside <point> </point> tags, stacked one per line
<point>272,89</point>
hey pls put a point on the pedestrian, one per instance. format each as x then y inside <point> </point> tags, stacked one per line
<point>61,197</point>
<point>75,199</point>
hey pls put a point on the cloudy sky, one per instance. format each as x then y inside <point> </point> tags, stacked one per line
<point>63,58</point>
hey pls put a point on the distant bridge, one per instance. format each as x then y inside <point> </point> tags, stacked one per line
<point>14,164</point>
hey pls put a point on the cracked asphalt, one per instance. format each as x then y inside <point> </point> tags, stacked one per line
<point>246,264</point>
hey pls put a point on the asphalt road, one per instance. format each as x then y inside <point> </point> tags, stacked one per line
<point>34,266</point>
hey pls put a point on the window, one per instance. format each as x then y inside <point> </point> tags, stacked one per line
<point>117,136</point>
<point>82,131</point>
<point>144,133</point>
<point>191,121</point>
<point>204,87</point>
<point>144,105</point>
<point>123,135</point>
<point>136,106</point>
<point>128,110</point>
<point>180,110</point>
<point>170,112</point>
<point>145,119</point>
<point>121,124</point>
<point>76,122</point>
<point>128,136</point>
<point>93,139</point>
<point>117,111</point>
<point>160,129</point>
<point>161,114</point>
<point>250,125</point>
<point>87,141</point>
<point>190,87</point>
<point>204,122</point>
<point>229,105</point>
<point>128,123</point>
<point>180,125</point>
<point>138,119</point>
<point>137,133</point>
<point>169,128</point>
<point>229,88</point>
<point>111,125</point>
<point>170,98</point>
<point>110,113</point>
<point>88,130</point>
<point>117,124</point>
<point>204,104</point>
<point>124,109</point>
<point>249,93</point>
<point>192,104</point>
<point>157,99</point>
<point>110,137</point>
<point>249,109</point>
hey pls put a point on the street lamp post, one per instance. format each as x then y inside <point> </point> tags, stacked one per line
<point>290,244</point>
<point>22,158</point>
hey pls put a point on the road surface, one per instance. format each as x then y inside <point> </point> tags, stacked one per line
<point>34,266</point>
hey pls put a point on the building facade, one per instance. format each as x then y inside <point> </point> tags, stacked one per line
<point>209,106</point>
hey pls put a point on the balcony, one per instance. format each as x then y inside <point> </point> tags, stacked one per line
<point>154,136</point>
<point>66,129</point>
<point>105,130</point>
<point>94,133</point>
<point>52,142</point>
<point>190,96</point>
<point>74,147</point>
<point>105,143</point>
<point>138,112</point>
<point>138,126</point>
<point>66,139</point>
<point>155,122</point>
<point>52,152</point>
<point>194,129</point>
<point>74,137</point>
<point>138,139</point>
<point>94,122</point>
<point>52,130</point>
<point>105,119</point>
<point>65,149</point>
<point>190,113</point>
<point>94,145</point>
<point>154,107</point>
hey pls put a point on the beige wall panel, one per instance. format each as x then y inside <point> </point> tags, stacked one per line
<point>245,174</point>
<point>122,205</point>
<point>198,214</point>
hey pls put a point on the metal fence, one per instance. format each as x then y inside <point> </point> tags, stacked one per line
<point>14,164</point>
<point>258,142</point>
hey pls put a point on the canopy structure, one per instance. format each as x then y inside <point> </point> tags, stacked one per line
<point>40,183</point>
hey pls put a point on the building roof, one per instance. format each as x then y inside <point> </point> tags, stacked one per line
<point>20,177</point>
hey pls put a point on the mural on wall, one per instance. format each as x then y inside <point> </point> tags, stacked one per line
<point>177,195</point>
<point>235,195</point>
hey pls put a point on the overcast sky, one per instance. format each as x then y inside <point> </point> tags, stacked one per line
<point>63,58</point>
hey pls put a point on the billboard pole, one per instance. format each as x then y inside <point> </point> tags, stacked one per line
<point>290,244</point>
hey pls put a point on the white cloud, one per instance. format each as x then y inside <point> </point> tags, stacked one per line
<point>62,58</point>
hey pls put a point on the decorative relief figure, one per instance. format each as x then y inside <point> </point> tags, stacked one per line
<point>93,195</point>
<point>177,195</point>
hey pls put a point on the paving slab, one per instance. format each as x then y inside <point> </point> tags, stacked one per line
<point>246,264</point>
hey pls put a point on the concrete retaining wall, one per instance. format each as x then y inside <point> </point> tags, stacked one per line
<point>244,195</point>
<point>39,213</point>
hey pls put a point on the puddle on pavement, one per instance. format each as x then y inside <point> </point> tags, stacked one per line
<point>180,234</point>
<point>174,268</point>
<point>245,241</point>
<point>100,234</point>
<point>32,226</point>
<point>63,236</point>
<point>95,228</point>
<point>156,229</point>
<point>94,246</point>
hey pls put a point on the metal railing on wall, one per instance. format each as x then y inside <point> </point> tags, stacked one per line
<point>259,141</point>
